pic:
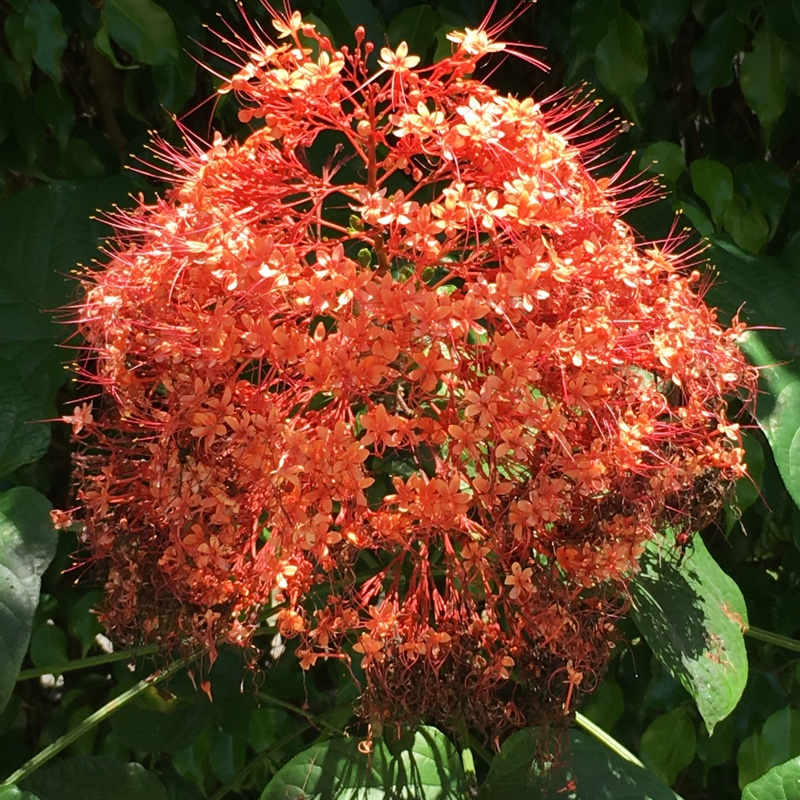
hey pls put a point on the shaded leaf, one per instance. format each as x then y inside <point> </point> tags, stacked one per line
<point>693,617</point>
<point>94,778</point>
<point>590,22</point>
<point>776,742</point>
<point>620,60</point>
<point>27,546</point>
<point>427,767</point>
<point>712,56</point>
<point>780,783</point>
<point>668,744</point>
<point>766,184</point>
<point>46,36</point>
<point>748,227</point>
<point>416,26</point>
<point>712,183</point>
<point>597,772</point>
<point>762,80</point>
<point>143,28</point>
<point>663,17</point>
<point>23,437</point>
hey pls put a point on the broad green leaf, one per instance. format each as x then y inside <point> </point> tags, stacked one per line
<point>21,49</point>
<point>590,22</point>
<point>693,616</point>
<point>784,18</point>
<point>712,183</point>
<point>766,184</point>
<point>94,778</point>
<point>27,546</point>
<point>665,158</point>
<point>48,646</point>
<point>762,80</point>
<point>663,17</point>
<point>748,227</point>
<point>703,225</point>
<point>668,744</point>
<point>605,705</point>
<point>143,28</point>
<point>46,35</point>
<point>780,783</point>
<point>416,26</point>
<point>23,436</point>
<point>776,742</point>
<point>712,56</point>
<point>716,749</point>
<point>46,232</point>
<point>620,60</point>
<point>55,108</point>
<point>590,771</point>
<point>778,414</point>
<point>427,768</point>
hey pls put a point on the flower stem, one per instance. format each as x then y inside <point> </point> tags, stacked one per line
<point>609,741</point>
<point>89,661</point>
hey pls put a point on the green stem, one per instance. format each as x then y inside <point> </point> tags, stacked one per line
<point>773,638</point>
<point>609,741</point>
<point>468,762</point>
<point>91,721</point>
<point>89,661</point>
<point>277,701</point>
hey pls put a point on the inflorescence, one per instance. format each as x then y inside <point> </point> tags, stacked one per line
<point>395,362</point>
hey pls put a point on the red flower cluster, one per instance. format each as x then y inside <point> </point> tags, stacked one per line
<point>400,332</point>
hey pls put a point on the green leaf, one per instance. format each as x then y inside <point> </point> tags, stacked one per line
<point>597,772</point>
<point>590,22</point>
<point>748,227</point>
<point>693,617</point>
<point>766,184</point>
<point>780,783</point>
<point>48,646</point>
<point>664,158</point>
<point>712,56</point>
<point>784,18</point>
<point>152,723</point>
<point>13,793</point>
<point>669,744</point>
<point>94,778</point>
<point>416,26</point>
<point>425,768</point>
<point>712,183</point>
<point>621,62</point>
<point>143,28</point>
<point>762,80</point>
<point>21,49</point>
<point>27,546</point>
<point>23,437</point>
<point>663,17</point>
<point>779,412</point>
<point>46,35</point>
<point>776,742</point>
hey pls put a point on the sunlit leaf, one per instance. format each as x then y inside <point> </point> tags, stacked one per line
<point>27,546</point>
<point>693,616</point>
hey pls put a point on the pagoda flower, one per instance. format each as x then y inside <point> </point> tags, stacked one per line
<point>400,319</point>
